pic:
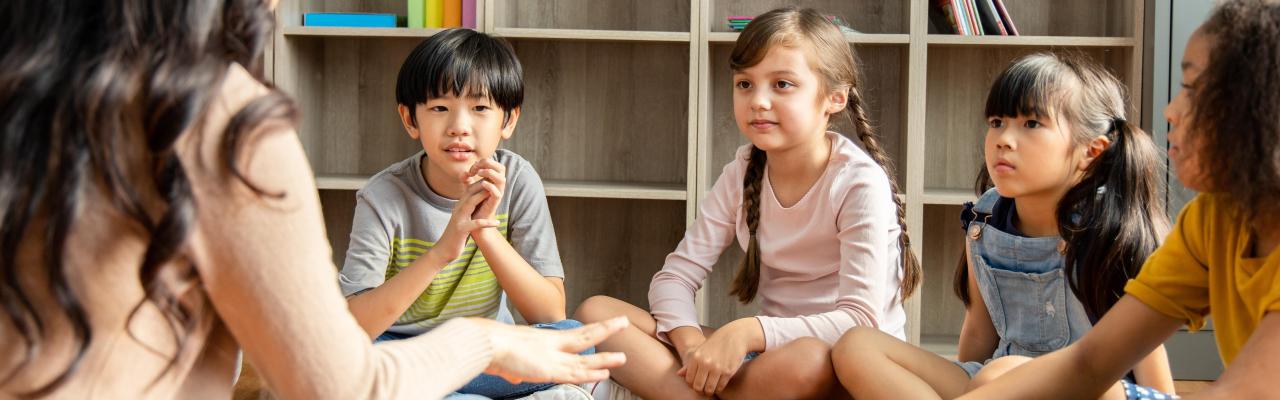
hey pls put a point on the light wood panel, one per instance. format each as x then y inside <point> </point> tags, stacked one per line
<point>943,241</point>
<point>867,16</point>
<point>648,15</point>
<point>1073,18</point>
<point>604,111</point>
<point>614,247</point>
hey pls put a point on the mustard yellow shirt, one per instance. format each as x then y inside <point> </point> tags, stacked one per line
<point>1203,268</point>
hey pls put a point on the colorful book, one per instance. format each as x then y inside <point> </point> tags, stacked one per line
<point>417,14</point>
<point>452,13</point>
<point>974,21</point>
<point>962,17</point>
<point>940,17</point>
<point>1004,17</point>
<point>435,13</point>
<point>469,14</point>
<point>349,20</point>
<point>990,18</point>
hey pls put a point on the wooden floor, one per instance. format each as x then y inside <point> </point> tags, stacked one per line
<point>250,387</point>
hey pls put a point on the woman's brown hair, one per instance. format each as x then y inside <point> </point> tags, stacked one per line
<point>1236,108</point>
<point>95,95</point>
<point>835,63</point>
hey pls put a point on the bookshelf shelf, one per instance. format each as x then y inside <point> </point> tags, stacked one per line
<point>593,35</point>
<point>358,32</point>
<point>947,196</point>
<point>853,38</point>
<point>1037,41</point>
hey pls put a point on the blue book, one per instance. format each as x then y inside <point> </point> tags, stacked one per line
<point>351,20</point>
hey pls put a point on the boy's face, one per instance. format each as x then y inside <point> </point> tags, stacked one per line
<point>458,130</point>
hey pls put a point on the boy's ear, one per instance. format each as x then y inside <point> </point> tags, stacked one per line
<point>510,126</point>
<point>837,101</point>
<point>406,119</point>
<point>1094,149</point>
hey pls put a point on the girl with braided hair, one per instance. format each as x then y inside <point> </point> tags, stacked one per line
<point>816,212</point>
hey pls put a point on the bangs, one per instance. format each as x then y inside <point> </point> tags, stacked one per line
<point>1032,86</point>
<point>477,69</point>
<point>461,62</point>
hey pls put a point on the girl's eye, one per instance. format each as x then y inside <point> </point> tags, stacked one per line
<point>439,109</point>
<point>1032,124</point>
<point>742,85</point>
<point>995,123</point>
<point>481,108</point>
<point>783,84</point>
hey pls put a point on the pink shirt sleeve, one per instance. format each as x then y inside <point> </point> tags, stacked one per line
<point>672,291</point>
<point>866,220</point>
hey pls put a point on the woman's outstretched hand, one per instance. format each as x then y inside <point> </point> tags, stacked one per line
<point>523,354</point>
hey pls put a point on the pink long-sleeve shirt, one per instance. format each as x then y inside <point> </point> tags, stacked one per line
<point>829,262</point>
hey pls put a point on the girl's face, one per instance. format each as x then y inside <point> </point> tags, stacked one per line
<point>1185,146</point>
<point>780,103</point>
<point>1029,155</point>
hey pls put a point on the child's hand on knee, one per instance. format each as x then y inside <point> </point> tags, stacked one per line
<point>709,366</point>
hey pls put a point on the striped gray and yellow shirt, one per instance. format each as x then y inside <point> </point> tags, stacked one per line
<point>398,218</point>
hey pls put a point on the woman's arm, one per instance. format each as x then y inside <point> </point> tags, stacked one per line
<point>1153,371</point>
<point>1128,332</point>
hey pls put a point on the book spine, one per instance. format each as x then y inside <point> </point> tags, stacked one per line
<point>417,14</point>
<point>452,13</point>
<point>1008,21</point>
<point>469,14</point>
<point>435,13</point>
<point>974,20</point>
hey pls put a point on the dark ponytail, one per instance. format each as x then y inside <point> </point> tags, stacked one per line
<point>1112,220</point>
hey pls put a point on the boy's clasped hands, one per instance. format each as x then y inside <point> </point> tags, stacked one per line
<point>476,210</point>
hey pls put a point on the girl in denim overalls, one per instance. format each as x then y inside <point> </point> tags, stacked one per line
<point>1073,214</point>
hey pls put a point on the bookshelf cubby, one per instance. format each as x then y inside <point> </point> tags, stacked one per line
<point>628,118</point>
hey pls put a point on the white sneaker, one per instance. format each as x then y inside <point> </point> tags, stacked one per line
<point>610,390</point>
<point>561,392</point>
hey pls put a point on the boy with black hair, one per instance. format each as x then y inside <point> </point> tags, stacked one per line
<point>460,228</point>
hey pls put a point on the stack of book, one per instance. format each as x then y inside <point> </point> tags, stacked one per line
<point>422,14</point>
<point>442,14</point>
<point>739,22</point>
<point>350,20</point>
<point>972,17</point>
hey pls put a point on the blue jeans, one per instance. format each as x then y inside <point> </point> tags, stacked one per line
<point>488,386</point>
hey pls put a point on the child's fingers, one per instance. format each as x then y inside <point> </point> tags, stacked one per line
<point>493,176</point>
<point>484,164</point>
<point>680,372</point>
<point>602,361</point>
<point>592,334</point>
<point>492,189</point>
<point>700,380</point>
<point>724,382</point>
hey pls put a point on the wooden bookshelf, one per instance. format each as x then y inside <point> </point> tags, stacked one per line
<point>628,118</point>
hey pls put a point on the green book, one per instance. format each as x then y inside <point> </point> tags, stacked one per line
<point>417,14</point>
